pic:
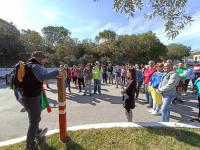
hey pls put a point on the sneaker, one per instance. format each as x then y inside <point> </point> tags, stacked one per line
<point>156,113</point>
<point>84,94</point>
<point>32,147</point>
<point>151,110</point>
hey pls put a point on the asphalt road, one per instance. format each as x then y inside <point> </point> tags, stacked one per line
<point>81,110</point>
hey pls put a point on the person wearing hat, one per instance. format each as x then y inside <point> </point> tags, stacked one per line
<point>96,73</point>
<point>32,84</point>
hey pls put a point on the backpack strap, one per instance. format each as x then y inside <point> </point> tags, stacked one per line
<point>21,71</point>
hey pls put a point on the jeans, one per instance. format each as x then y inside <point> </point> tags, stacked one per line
<point>33,107</point>
<point>88,86</point>
<point>110,77</point>
<point>118,81</point>
<point>123,80</point>
<point>97,86</point>
<point>166,108</point>
<point>150,100</point>
<point>67,84</point>
<point>81,81</point>
<point>105,78</point>
<point>186,84</point>
<point>148,96</point>
<point>139,83</point>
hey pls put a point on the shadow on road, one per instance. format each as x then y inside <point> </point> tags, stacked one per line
<point>95,99</point>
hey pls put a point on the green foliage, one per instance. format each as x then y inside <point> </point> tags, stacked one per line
<point>32,41</point>
<point>178,51</point>
<point>10,44</point>
<point>62,49</point>
<point>55,35</point>
<point>106,35</point>
<point>172,12</point>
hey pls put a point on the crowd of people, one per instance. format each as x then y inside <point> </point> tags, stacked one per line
<point>164,84</point>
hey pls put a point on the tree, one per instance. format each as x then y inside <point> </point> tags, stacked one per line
<point>178,51</point>
<point>172,12</point>
<point>131,48</point>
<point>106,35</point>
<point>31,40</point>
<point>11,47</point>
<point>55,35</point>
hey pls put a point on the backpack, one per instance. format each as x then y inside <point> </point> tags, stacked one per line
<point>17,75</point>
<point>15,83</point>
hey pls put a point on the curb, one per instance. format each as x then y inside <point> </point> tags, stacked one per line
<point>111,125</point>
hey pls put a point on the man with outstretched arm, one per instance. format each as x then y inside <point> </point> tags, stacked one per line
<point>32,84</point>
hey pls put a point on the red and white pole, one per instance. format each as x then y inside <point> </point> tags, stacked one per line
<point>62,107</point>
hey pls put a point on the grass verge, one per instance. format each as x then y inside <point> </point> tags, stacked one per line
<point>151,138</point>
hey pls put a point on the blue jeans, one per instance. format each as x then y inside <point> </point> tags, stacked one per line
<point>166,108</point>
<point>148,96</point>
<point>146,92</point>
<point>97,86</point>
<point>67,84</point>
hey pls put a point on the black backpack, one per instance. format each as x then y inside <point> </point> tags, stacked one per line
<point>12,78</point>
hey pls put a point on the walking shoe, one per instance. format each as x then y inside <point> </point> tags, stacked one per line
<point>180,101</point>
<point>151,110</point>
<point>156,113</point>
<point>32,147</point>
<point>174,101</point>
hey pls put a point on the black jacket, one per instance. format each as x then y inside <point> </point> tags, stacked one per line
<point>30,84</point>
<point>129,102</point>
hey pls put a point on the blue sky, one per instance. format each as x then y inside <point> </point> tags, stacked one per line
<point>85,18</point>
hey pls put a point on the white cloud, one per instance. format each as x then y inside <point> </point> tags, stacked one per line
<point>49,15</point>
<point>86,27</point>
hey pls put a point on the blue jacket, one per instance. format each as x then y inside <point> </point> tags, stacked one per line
<point>155,79</point>
<point>139,75</point>
<point>42,74</point>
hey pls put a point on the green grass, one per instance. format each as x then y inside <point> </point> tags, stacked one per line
<point>123,139</point>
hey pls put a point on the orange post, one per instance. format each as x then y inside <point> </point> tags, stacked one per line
<point>62,107</point>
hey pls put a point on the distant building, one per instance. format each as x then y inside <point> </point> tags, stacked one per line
<point>196,56</point>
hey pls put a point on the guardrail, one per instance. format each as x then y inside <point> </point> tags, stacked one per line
<point>4,71</point>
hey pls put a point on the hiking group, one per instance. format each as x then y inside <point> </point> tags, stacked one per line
<point>164,84</point>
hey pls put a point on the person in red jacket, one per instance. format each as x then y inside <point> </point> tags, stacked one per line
<point>147,74</point>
